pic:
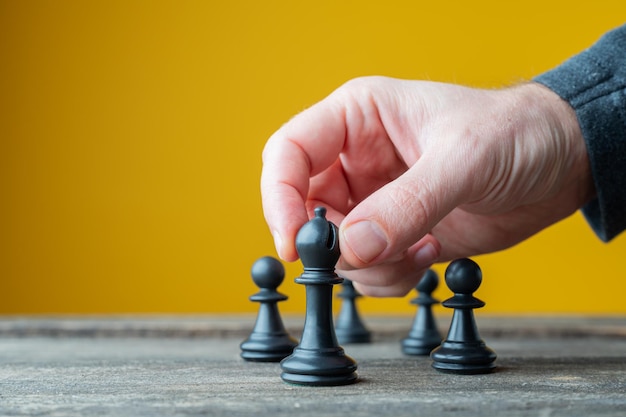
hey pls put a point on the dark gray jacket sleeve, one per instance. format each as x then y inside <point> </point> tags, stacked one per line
<point>594,84</point>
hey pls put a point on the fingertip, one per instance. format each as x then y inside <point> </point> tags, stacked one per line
<point>278,243</point>
<point>361,289</point>
<point>399,290</point>
<point>426,252</point>
<point>285,251</point>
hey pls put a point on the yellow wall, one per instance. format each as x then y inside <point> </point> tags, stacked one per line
<point>131,133</point>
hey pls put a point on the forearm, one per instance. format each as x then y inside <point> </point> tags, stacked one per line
<point>594,84</point>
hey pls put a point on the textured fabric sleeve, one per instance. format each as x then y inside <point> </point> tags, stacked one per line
<point>594,84</point>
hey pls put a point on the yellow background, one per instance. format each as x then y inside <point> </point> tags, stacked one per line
<point>131,134</point>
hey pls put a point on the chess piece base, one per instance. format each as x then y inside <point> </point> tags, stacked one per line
<point>421,346</point>
<point>327,367</point>
<point>464,358</point>
<point>267,348</point>
<point>349,337</point>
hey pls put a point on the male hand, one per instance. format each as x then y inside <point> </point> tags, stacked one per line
<point>419,172</point>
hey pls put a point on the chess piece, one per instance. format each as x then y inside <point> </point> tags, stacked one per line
<point>318,359</point>
<point>350,327</point>
<point>269,341</point>
<point>424,335</point>
<point>463,351</point>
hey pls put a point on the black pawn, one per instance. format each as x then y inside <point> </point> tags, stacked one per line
<point>463,351</point>
<point>350,327</point>
<point>269,341</point>
<point>424,335</point>
<point>318,359</point>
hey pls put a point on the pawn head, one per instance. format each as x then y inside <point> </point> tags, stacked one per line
<point>268,272</point>
<point>463,276</point>
<point>428,282</point>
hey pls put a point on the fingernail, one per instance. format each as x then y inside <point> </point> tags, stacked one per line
<point>366,239</point>
<point>425,256</point>
<point>278,242</point>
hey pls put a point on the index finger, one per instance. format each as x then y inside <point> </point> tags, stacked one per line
<point>303,147</point>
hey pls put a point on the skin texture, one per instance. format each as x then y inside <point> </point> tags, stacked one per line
<point>417,172</point>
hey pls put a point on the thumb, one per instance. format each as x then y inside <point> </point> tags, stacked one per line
<point>399,214</point>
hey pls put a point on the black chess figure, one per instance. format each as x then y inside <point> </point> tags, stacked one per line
<point>463,351</point>
<point>424,335</point>
<point>349,327</point>
<point>318,359</point>
<point>269,341</point>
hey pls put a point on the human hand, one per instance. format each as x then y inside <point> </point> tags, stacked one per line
<point>419,172</point>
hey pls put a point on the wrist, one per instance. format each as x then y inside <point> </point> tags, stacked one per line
<point>553,121</point>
